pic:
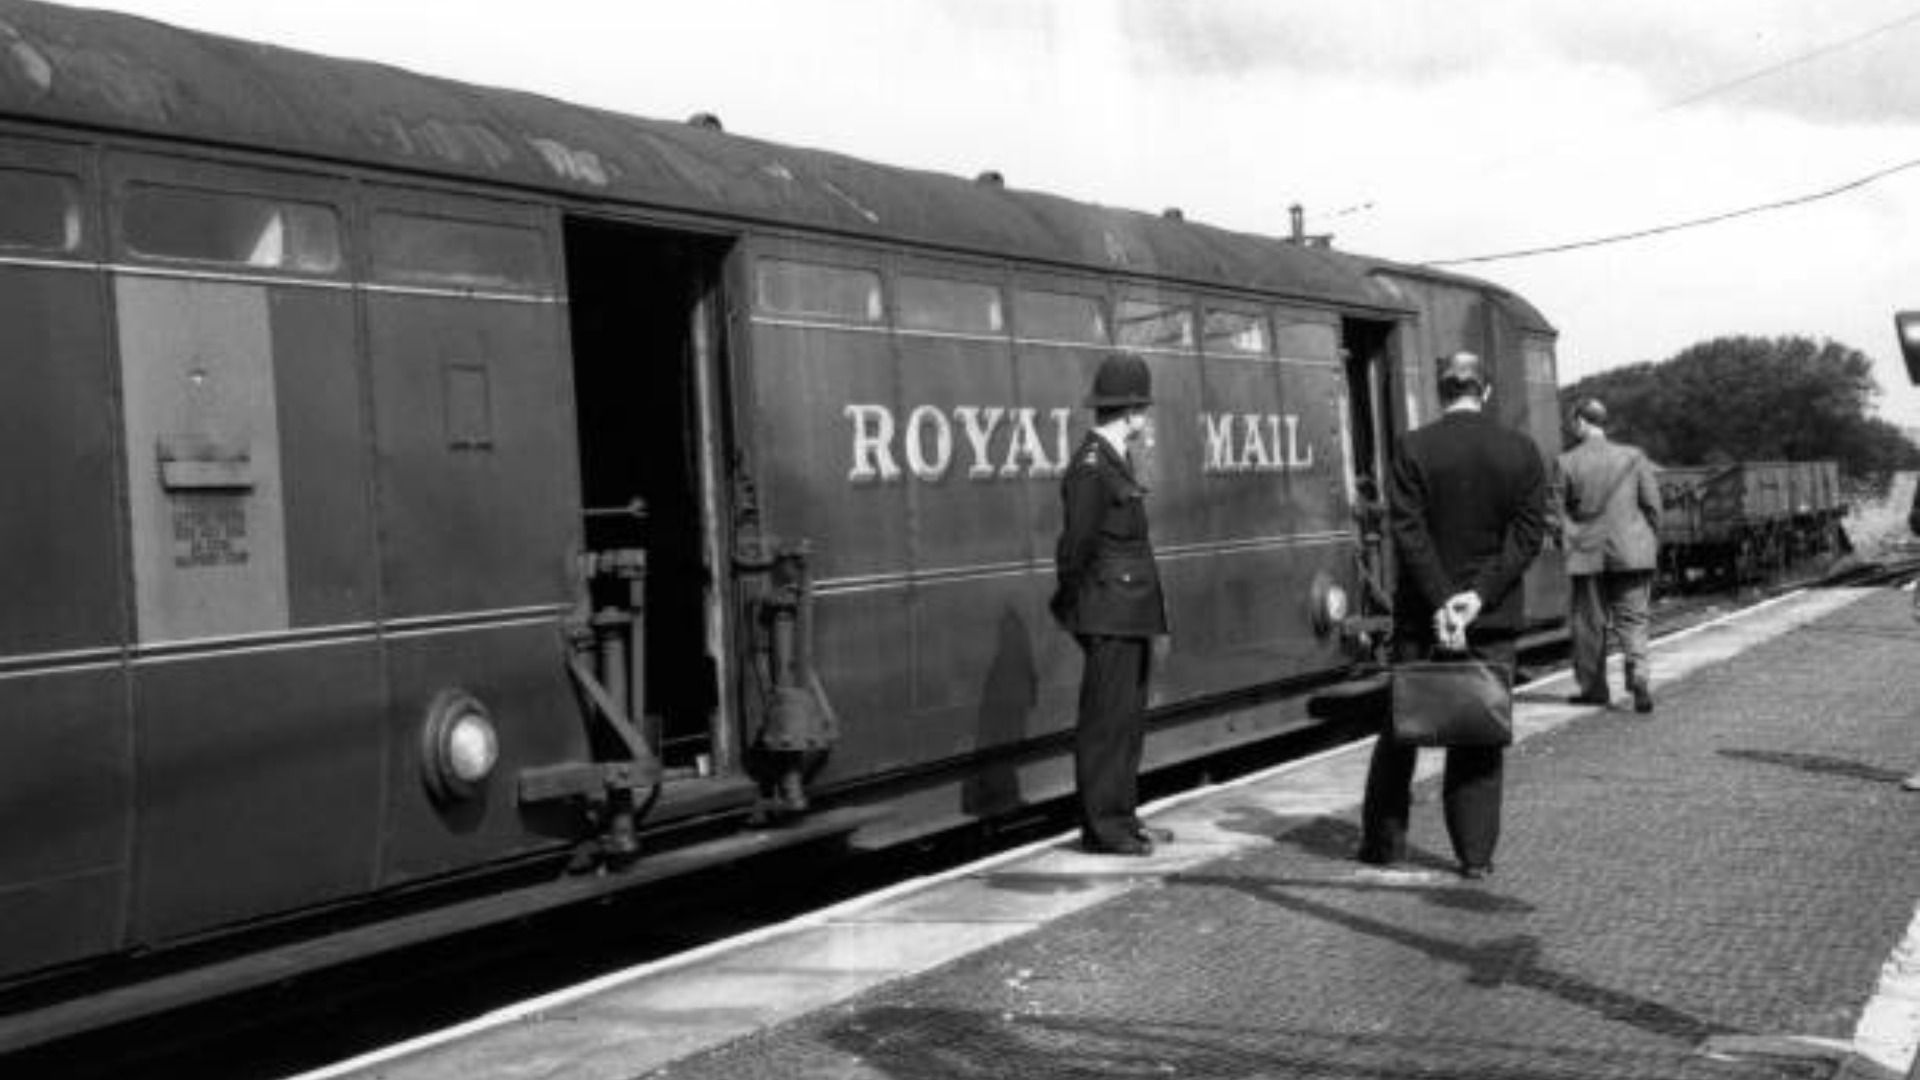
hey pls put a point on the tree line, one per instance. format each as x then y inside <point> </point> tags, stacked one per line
<point>1743,398</point>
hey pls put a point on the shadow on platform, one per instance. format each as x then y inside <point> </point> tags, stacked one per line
<point>1819,765</point>
<point>930,1042</point>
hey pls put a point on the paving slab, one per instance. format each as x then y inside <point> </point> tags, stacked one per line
<point>1706,892</point>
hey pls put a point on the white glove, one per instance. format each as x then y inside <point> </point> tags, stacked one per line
<point>1465,607</point>
<point>1451,621</point>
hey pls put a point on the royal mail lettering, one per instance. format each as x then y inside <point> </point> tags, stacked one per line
<point>996,442</point>
<point>1253,442</point>
<point>989,442</point>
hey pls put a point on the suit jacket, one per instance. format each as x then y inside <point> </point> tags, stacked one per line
<point>1606,504</point>
<point>1108,583</point>
<point>1467,510</point>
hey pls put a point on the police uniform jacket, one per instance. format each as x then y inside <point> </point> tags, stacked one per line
<point>1107,581</point>
<point>1467,510</point>
<point>1606,499</point>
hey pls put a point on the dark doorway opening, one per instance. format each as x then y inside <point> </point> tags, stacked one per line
<point>644,333</point>
<point>1367,347</point>
<point>1369,368</point>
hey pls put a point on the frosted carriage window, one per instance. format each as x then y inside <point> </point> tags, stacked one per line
<point>1145,324</point>
<point>39,211</point>
<point>236,230</point>
<point>415,249</point>
<point>960,306</point>
<point>1306,335</point>
<point>1235,332</point>
<point>834,292</point>
<point>1539,359</point>
<point>1064,317</point>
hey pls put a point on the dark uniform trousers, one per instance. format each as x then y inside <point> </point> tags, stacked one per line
<point>1109,734</point>
<point>1470,791</point>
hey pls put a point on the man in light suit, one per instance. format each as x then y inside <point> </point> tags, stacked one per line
<point>1467,512</point>
<point>1606,500</point>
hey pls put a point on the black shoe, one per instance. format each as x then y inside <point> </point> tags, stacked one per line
<point>1584,698</point>
<point>1152,834</point>
<point>1476,873</point>
<point>1126,845</point>
<point>1642,700</point>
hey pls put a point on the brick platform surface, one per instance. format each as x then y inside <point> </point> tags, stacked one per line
<point>1676,896</point>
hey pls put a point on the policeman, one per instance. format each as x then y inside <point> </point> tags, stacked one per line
<point>1109,599</point>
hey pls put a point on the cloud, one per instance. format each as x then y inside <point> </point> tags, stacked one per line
<point>1777,56</point>
<point>1792,60</point>
<point>1399,43</point>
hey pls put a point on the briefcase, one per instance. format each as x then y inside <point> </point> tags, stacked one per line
<point>1452,702</point>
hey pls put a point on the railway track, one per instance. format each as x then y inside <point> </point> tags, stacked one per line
<point>308,1022</point>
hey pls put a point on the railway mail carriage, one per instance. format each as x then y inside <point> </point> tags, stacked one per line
<point>407,481</point>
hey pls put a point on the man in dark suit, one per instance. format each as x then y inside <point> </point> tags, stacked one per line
<point>1109,599</point>
<point>1467,513</point>
<point>1912,783</point>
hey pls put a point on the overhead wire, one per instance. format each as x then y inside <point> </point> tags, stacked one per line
<point>1692,223</point>
<point>1792,61</point>
<point>1712,219</point>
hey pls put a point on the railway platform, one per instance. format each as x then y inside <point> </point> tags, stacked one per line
<point>1724,888</point>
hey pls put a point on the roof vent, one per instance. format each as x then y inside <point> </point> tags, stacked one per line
<point>1174,213</point>
<point>991,178</point>
<point>705,120</point>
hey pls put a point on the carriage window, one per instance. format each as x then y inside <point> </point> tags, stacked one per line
<point>417,250</point>
<point>1147,325</point>
<point>795,288</point>
<point>1306,337</point>
<point>961,306</point>
<point>1539,360</point>
<point>39,211</point>
<point>1234,332</point>
<point>239,230</point>
<point>1049,316</point>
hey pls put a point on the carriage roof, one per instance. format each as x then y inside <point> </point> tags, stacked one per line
<point>120,73</point>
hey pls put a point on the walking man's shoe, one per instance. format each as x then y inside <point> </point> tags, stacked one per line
<point>1584,698</point>
<point>1642,699</point>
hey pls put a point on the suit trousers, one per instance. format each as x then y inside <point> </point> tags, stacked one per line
<point>1108,737</point>
<point>1469,792</point>
<point>1612,599</point>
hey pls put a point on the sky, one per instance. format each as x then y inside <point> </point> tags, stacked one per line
<point>1409,130</point>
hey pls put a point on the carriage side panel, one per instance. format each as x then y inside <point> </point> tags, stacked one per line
<point>478,496</point>
<point>65,737</point>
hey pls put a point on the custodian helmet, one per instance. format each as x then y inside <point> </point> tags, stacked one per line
<point>1122,381</point>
